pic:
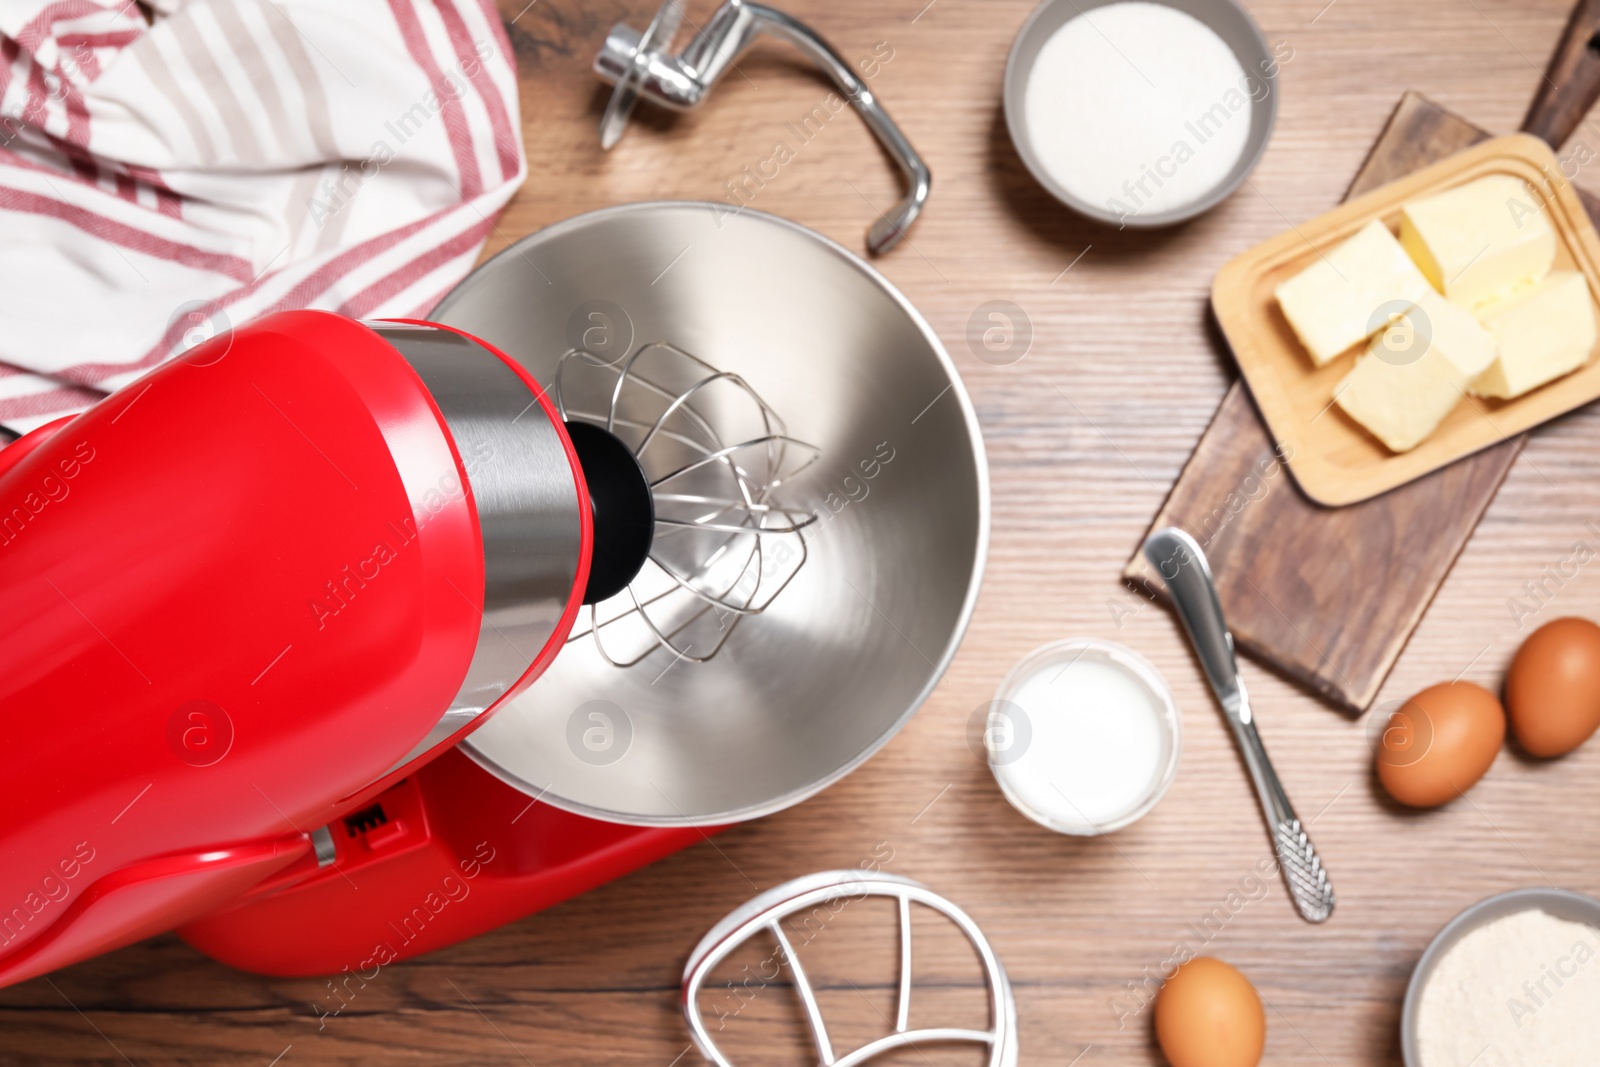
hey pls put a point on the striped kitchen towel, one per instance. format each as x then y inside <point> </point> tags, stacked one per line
<point>170,168</point>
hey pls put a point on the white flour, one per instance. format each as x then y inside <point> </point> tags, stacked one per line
<point>1522,991</point>
<point>1138,108</point>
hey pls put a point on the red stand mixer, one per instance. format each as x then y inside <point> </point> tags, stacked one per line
<point>331,643</point>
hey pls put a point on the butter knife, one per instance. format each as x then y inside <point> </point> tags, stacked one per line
<point>1182,565</point>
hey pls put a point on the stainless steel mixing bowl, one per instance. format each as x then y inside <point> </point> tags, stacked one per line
<point>806,691</point>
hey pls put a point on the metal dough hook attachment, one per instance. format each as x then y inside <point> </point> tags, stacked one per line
<point>639,64</point>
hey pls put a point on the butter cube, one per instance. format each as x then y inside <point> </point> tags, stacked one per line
<point>1400,406</point>
<point>1350,292</point>
<point>1541,335</point>
<point>1415,373</point>
<point>1480,241</point>
<point>1438,324</point>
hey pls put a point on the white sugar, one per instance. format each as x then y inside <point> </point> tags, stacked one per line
<point>1139,108</point>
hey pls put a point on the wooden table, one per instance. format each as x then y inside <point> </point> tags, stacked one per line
<point>1085,435</point>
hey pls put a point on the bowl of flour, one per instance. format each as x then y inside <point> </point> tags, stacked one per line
<point>1141,113</point>
<point>1513,981</point>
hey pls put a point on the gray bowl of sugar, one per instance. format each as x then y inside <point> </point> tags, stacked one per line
<point>1138,113</point>
<point>1502,979</point>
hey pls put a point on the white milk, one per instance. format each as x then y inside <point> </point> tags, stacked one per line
<point>1100,740</point>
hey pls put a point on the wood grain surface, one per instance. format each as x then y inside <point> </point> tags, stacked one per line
<point>1086,434</point>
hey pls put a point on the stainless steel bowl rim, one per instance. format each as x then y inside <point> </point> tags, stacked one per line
<point>1017,128</point>
<point>1484,911</point>
<point>981,542</point>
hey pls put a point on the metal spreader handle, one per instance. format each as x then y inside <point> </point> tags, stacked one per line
<point>1184,568</point>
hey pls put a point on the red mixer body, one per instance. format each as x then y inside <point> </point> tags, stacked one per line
<point>448,853</point>
<point>237,600</point>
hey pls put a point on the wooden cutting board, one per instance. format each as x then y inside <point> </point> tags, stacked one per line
<point>1329,596</point>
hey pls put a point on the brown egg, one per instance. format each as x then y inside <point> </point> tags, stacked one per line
<point>1440,743</point>
<point>1553,687</point>
<point>1209,1015</point>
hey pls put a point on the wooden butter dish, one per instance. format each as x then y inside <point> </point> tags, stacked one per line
<point>1333,459</point>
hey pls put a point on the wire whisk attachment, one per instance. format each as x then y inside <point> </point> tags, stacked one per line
<point>716,457</point>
